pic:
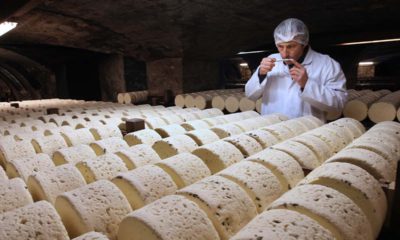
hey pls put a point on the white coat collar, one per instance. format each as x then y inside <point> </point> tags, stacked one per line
<point>309,56</point>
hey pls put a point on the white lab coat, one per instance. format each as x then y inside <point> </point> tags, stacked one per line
<point>325,89</point>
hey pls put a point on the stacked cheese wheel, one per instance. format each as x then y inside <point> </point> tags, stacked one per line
<point>132,97</point>
<point>385,108</point>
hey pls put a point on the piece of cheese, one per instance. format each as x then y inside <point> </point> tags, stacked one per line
<point>170,130</point>
<point>218,155</point>
<point>171,146</point>
<point>99,206</point>
<point>145,136</point>
<point>23,167</point>
<point>172,119</point>
<point>278,224</point>
<point>13,194</point>
<point>214,121</point>
<point>169,218</point>
<point>342,132</point>
<point>10,150</point>
<point>144,185</point>
<point>265,138</point>
<point>335,142</point>
<point>285,167</point>
<point>73,154</point>
<point>320,148</point>
<point>259,182</point>
<point>246,144</point>
<point>354,126</point>
<point>3,175</point>
<point>34,221</point>
<point>49,144</point>
<point>195,125</point>
<point>48,184</point>
<point>185,169</point>
<point>105,131</point>
<point>105,166</point>
<point>358,185</point>
<point>295,126</point>
<point>300,152</point>
<point>138,155</point>
<point>330,208</point>
<point>108,145</point>
<point>310,121</point>
<point>227,130</point>
<point>203,136</point>
<point>77,137</point>
<point>280,131</point>
<point>226,203</point>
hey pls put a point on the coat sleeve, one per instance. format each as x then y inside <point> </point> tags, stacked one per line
<point>329,92</point>
<point>253,89</point>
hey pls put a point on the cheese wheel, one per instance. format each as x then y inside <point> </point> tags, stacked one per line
<point>145,136</point>
<point>246,144</point>
<point>300,152</point>
<point>195,124</point>
<point>213,112</point>
<point>218,155</point>
<point>172,119</point>
<point>49,144</point>
<point>280,131</point>
<point>356,109</point>
<point>180,100</point>
<point>73,154</point>
<point>227,130</point>
<point>330,208</point>
<point>34,221</point>
<point>382,111</point>
<point>185,169</point>
<point>320,148</point>
<point>105,131</point>
<point>91,236</point>
<point>214,121</point>
<point>203,136</point>
<point>226,203</point>
<point>170,130</point>
<point>23,167</point>
<point>99,206</point>
<point>13,194</point>
<point>265,138</point>
<point>310,121</point>
<point>232,104</point>
<point>170,218</point>
<point>188,116</point>
<point>77,137</point>
<point>354,126</point>
<point>385,129</point>
<point>105,166</point>
<point>246,104</point>
<point>154,122</point>
<point>3,175</point>
<point>171,146</point>
<point>358,185</point>
<point>259,182</point>
<point>201,114</point>
<point>48,184</point>
<point>10,150</point>
<point>278,224</point>
<point>234,117</point>
<point>342,132</point>
<point>144,185</point>
<point>333,114</point>
<point>332,139</point>
<point>258,105</point>
<point>295,126</point>
<point>218,102</point>
<point>368,160</point>
<point>138,155</point>
<point>108,145</point>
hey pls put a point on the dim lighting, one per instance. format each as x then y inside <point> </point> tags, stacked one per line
<point>365,63</point>
<point>244,65</point>
<point>7,26</point>
<point>368,42</point>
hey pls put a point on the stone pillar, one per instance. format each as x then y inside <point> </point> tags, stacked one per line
<point>164,74</point>
<point>111,75</point>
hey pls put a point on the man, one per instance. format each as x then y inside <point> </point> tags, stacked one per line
<point>298,81</point>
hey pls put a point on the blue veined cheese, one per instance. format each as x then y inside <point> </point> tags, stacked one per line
<point>170,218</point>
<point>77,137</point>
<point>138,155</point>
<point>73,154</point>
<point>265,138</point>
<point>108,145</point>
<point>278,224</point>
<point>218,155</point>
<point>320,148</point>
<point>226,203</point>
<point>368,160</point>
<point>38,220</point>
<point>354,126</point>
<point>203,136</point>
<point>145,136</point>
<point>49,144</point>
<point>342,132</point>
<point>144,185</point>
<point>358,185</point>
<point>185,169</point>
<point>330,208</point>
<point>195,125</point>
<point>105,166</point>
<point>105,131</point>
<point>99,206</point>
<point>172,119</point>
<point>311,121</point>
<point>49,183</point>
<point>282,165</point>
<point>335,142</point>
<point>300,152</point>
<point>92,236</point>
<point>246,144</point>
<point>23,167</point>
<point>214,121</point>
<point>280,131</point>
<point>227,130</point>
<point>13,194</point>
<point>171,146</point>
<point>170,130</point>
<point>258,181</point>
<point>3,175</point>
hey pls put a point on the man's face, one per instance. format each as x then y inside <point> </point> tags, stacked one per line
<point>290,49</point>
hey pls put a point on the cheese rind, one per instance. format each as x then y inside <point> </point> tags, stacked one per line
<point>145,136</point>
<point>73,154</point>
<point>13,194</point>
<point>171,146</point>
<point>138,155</point>
<point>170,218</point>
<point>246,144</point>
<point>108,145</point>
<point>300,152</point>
<point>203,136</point>
<point>92,236</point>
<point>24,167</point>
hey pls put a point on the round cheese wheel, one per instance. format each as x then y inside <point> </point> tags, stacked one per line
<point>203,136</point>
<point>170,130</point>
<point>13,194</point>
<point>138,155</point>
<point>171,146</point>
<point>300,152</point>
<point>73,154</point>
<point>24,167</point>
<point>246,144</point>
<point>108,145</point>
<point>145,136</point>
<point>92,236</point>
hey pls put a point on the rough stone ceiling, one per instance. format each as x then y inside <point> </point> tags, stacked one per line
<point>152,29</point>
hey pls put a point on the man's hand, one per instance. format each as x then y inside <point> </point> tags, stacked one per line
<point>298,73</point>
<point>266,65</point>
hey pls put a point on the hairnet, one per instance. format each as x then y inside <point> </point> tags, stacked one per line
<point>291,29</point>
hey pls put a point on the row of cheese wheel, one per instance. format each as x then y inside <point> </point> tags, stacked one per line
<point>133,97</point>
